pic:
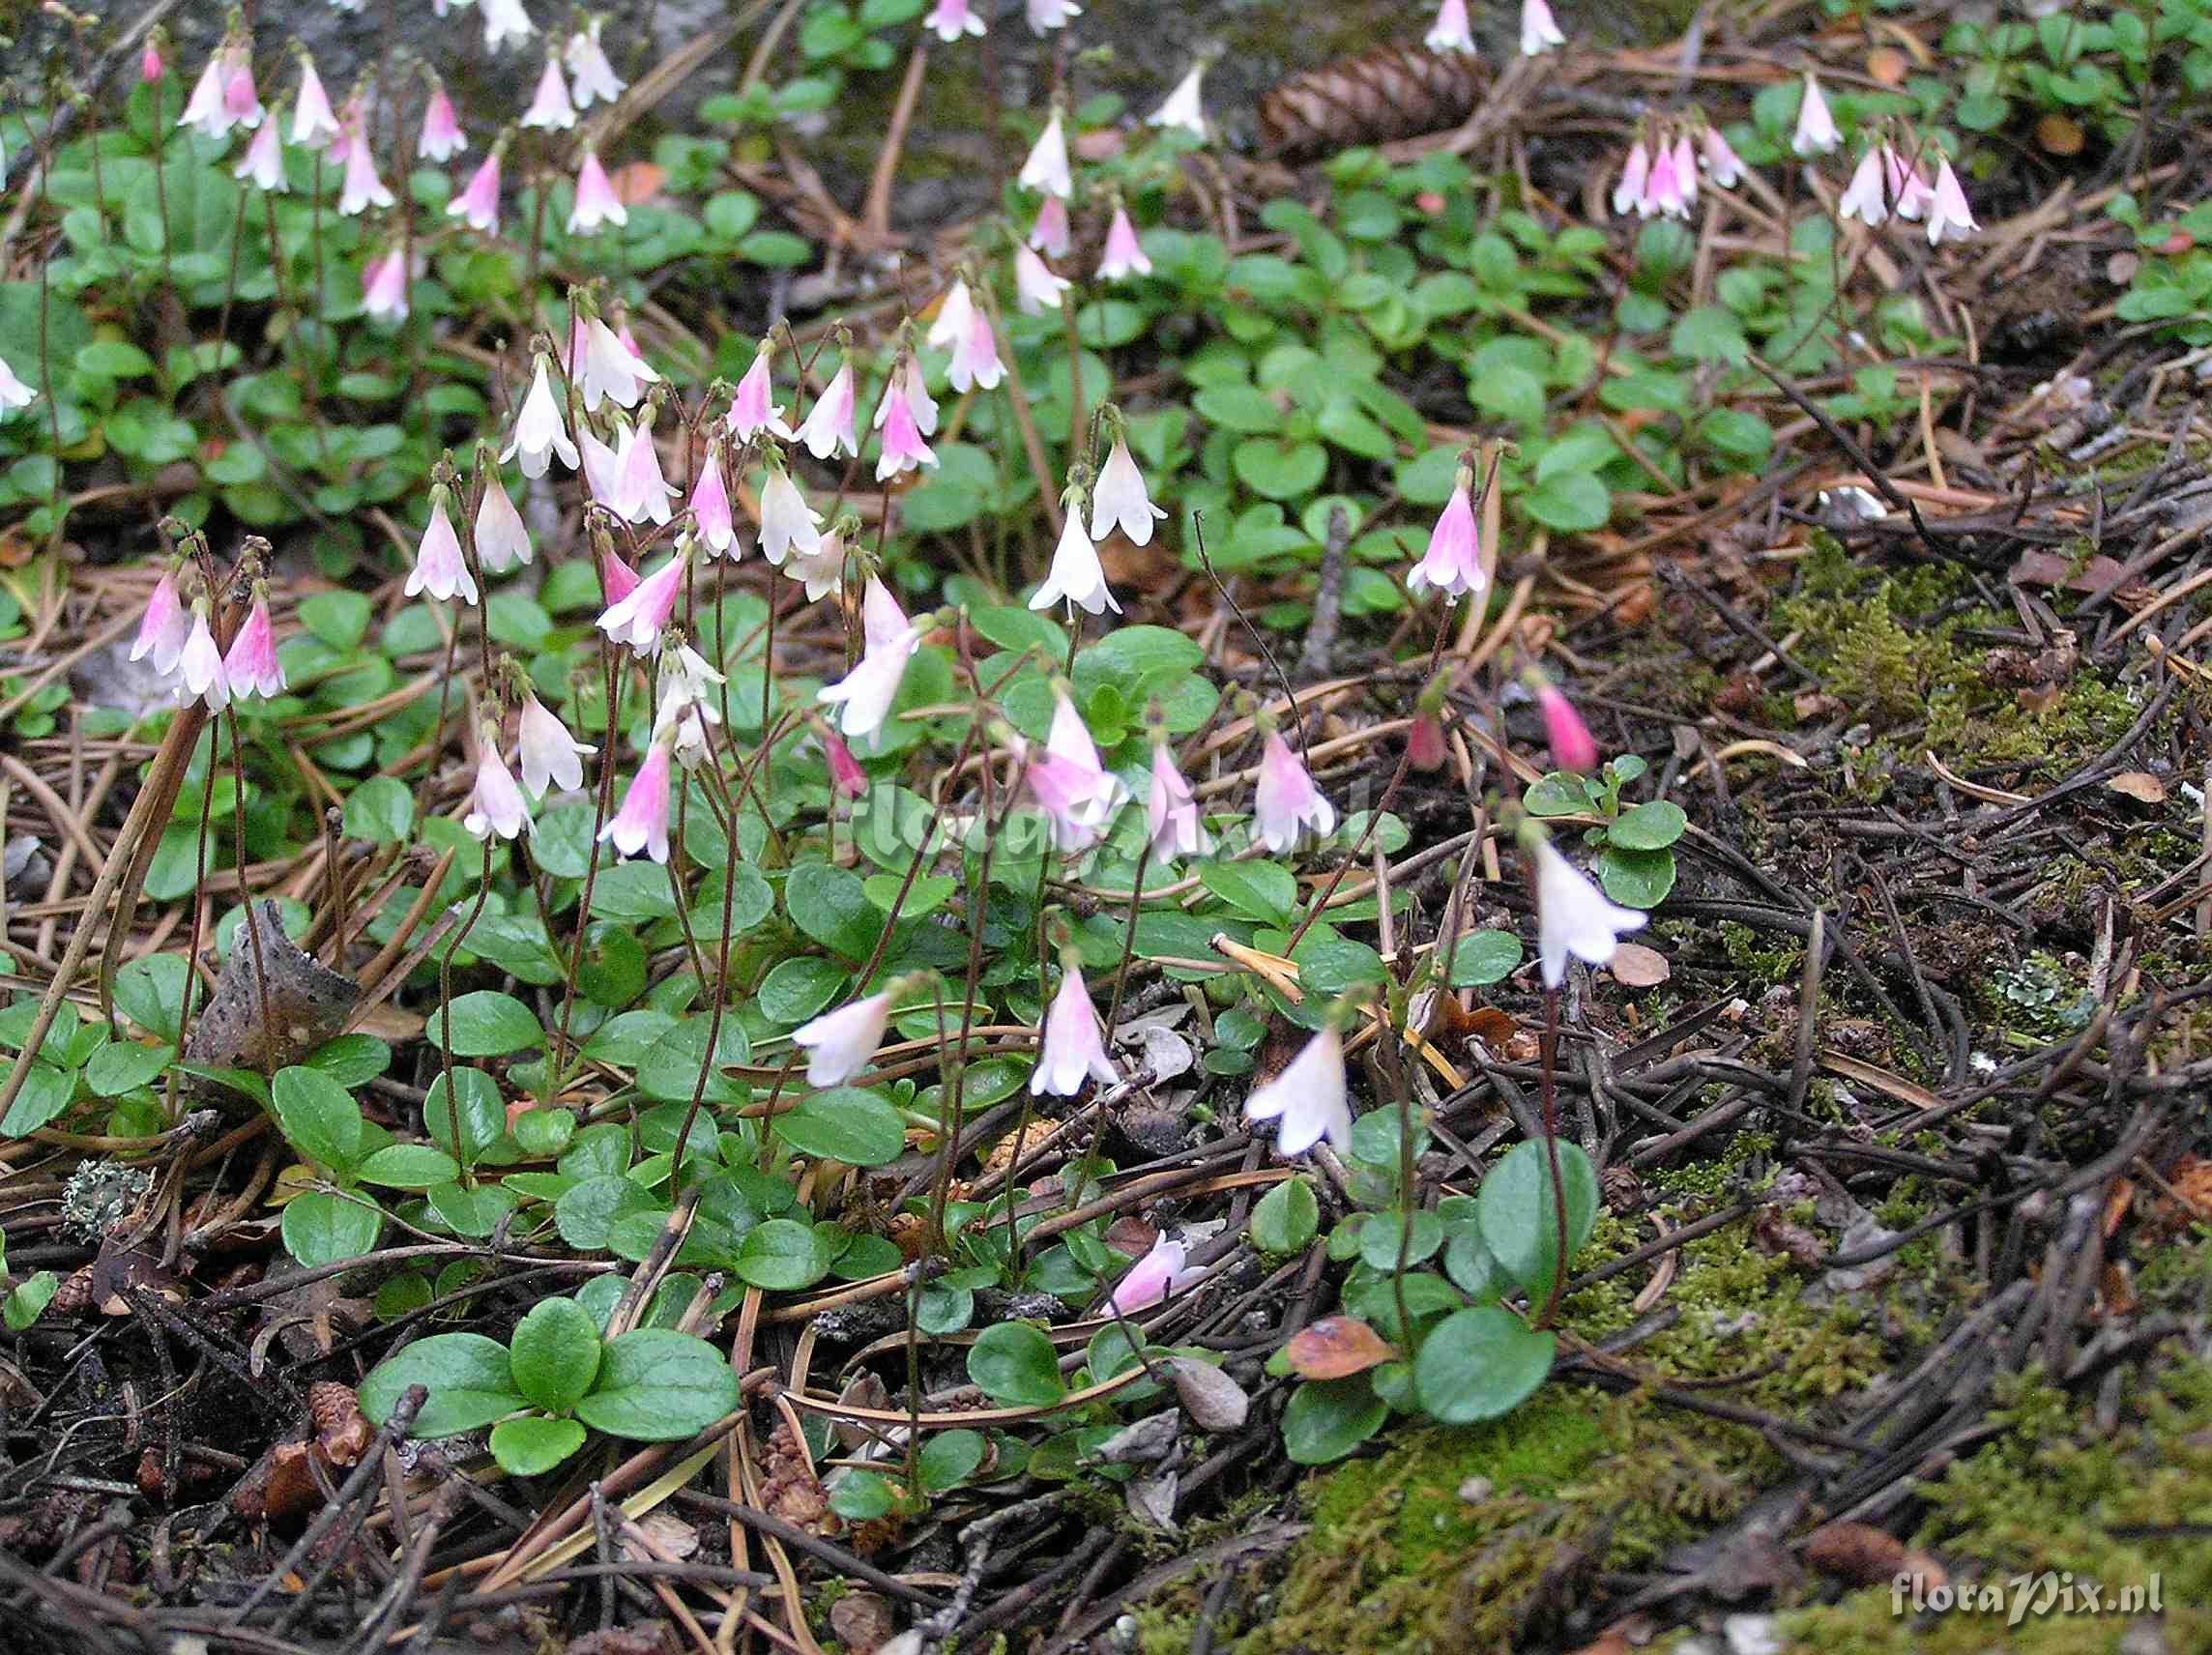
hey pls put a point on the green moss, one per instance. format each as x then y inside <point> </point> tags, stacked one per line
<point>1402,1560</point>
<point>1891,645</point>
<point>2053,1494</point>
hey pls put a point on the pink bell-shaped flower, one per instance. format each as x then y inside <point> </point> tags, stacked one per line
<point>249,666</point>
<point>1452,565</point>
<point>889,640</point>
<point>1309,1101</point>
<point>1074,1049</point>
<point>839,1044</point>
<point>163,628</point>
<point>551,757</point>
<point>1171,812</point>
<point>950,20</point>
<point>596,202</point>
<point>1286,802</point>
<point>753,408</point>
<point>439,566</point>
<point>1122,257</point>
<point>496,804</point>
<point>642,822</point>
<point>828,428</point>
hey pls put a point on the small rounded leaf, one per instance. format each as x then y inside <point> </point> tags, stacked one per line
<point>554,1355</point>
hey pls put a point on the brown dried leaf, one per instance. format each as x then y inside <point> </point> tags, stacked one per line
<point>306,1005</point>
<point>1887,64</point>
<point>862,1621</point>
<point>2060,135</point>
<point>2139,785</point>
<point>1857,1553</point>
<point>1634,965</point>
<point>637,182</point>
<point>1335,1347</point>
<point>1213,1400</point>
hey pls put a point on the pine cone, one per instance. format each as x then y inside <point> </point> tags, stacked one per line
<point>1384,94</point>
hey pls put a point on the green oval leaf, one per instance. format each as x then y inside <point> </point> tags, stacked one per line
<point>1649,826</point>
<point>554,1355</point>
<point>782,1255</point>
<point>844,1125</point>
<point>531,1447</point>
<point>1286,1218</point>
<point>321,1228</point>
<point>1519,1219</point>
<point>1015,1366</point>
<point>1480,1363</point>
<point>485,1024</point>
<point>1327,1419</point>
<point>655,1386</point>
<point>466,1374</point>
